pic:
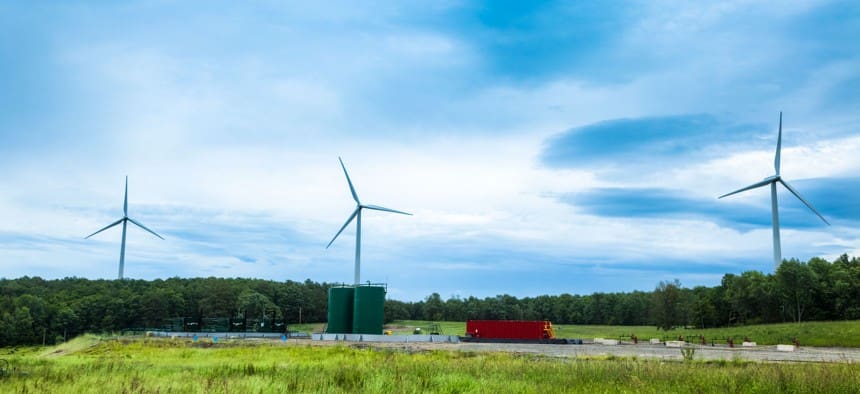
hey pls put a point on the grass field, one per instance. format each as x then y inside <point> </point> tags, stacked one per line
<point>90,364</point>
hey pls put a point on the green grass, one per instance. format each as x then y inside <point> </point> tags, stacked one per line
<point>307,327</point>
<point>406,327</point>
<point>837,333</point>
<point>840,333</point>
<point>80,343</point>
<point>181,366</point>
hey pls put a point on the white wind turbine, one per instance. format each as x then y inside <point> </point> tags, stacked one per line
<point>125,219</point>
<point>356,214</point>
<point>772,181</point>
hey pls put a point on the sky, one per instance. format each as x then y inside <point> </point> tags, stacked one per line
<point>542,147</point>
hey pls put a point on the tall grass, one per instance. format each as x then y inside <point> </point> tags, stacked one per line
<point>179,366</point>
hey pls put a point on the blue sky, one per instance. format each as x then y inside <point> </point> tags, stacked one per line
<point>543,148</point>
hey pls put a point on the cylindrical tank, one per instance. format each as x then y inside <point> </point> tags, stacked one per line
<point>340,307</point>
<point>369,310</point>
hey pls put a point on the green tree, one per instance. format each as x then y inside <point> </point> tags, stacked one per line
<point>23,328</point>
<point>455,309</point>
<point>667,304</point>
<point>797,284</point>
<point>704,314</point>
<point>434,308</point>
<point>845,288</point>
<point>255,305</point>
<point>66,322</point>
<point>396,310</point>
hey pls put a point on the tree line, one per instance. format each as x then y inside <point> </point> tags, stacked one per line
<point>798,291</point>
<point>34,310</point>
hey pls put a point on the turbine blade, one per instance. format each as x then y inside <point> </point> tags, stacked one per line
<point>778,146</point>
<point>753,186</point>
<point>125,199</point>
<point>144,227</point>
<point>808,205</point>
<point>354,213</point>
<point>105,228</point>
<point>378,208</point>
<point>351,189</point>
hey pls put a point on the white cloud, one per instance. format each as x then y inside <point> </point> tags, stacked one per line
<point>231,145</point>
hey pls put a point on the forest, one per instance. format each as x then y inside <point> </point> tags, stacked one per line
<point>36,311</point>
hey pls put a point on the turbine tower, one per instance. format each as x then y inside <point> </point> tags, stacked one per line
<point>125,219</point>
<point>772,181</point>
<point>356,214</point>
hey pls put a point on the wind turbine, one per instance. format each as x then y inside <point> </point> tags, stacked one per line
<point>356,214</point>
<point>125,219</point>
<point>772,181</point>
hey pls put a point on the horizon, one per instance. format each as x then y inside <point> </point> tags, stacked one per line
<point>422,299</point>
<point>543,148</point>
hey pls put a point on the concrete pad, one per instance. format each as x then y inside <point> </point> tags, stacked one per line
<point>386,338</point>
<point>445,338</point>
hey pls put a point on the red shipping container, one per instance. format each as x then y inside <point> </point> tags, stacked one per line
<point>509,329</point>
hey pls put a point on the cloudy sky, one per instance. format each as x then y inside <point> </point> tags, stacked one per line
<point>542,147</point>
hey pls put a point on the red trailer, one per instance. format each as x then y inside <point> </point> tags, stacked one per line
<point>510,329</point>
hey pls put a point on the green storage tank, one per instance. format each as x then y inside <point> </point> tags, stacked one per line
<point>369,310</point>
<point>340,300</point>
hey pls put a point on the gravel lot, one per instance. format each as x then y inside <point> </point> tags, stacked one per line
<point>759,353</point>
